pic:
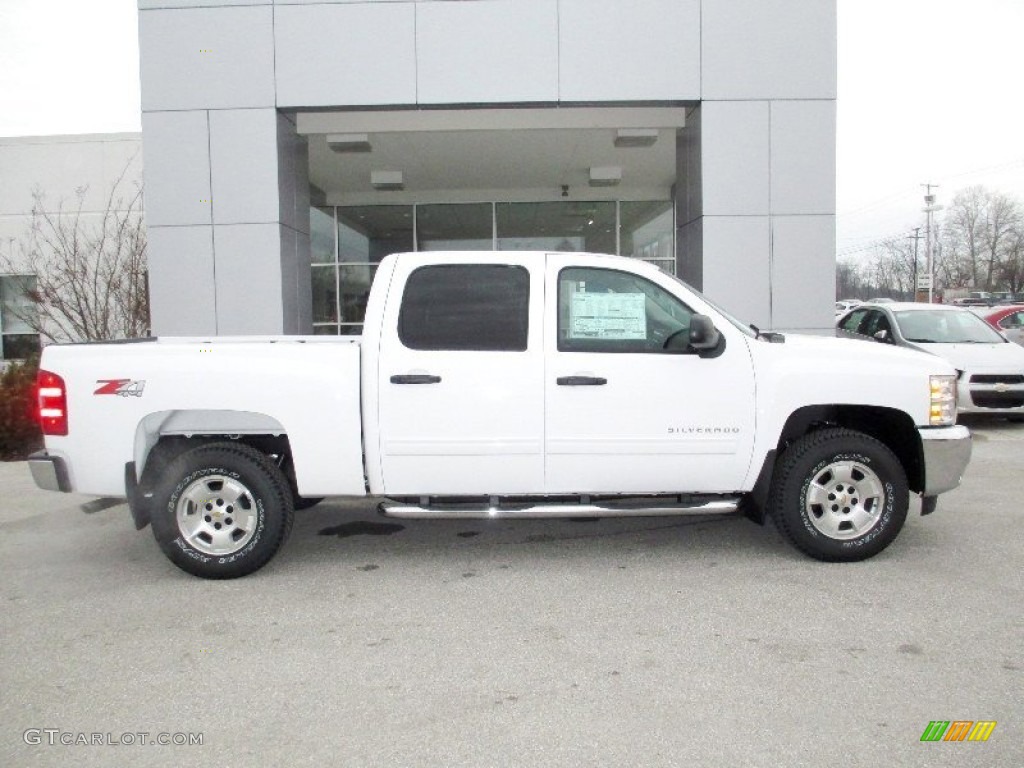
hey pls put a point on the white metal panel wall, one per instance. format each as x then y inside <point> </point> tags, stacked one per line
<point>735,158</point>
<point>768,49</point>
<point>612,50</point>
<point>738,277</point>
<point>803,135</point>
<point>243,166</point>
<point>351,54</point>
<point>768,150</point>
<point>182,279</point>
<point>177,168</point>
<point>803,284</point>
<point>248,262</point>
<point>207,58</point>
<point>500,51</point>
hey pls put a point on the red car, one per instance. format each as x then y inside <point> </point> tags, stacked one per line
<point>1009,320</point>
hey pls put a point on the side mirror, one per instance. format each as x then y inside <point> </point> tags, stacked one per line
<point>703,334</point>
<point>883,336</point>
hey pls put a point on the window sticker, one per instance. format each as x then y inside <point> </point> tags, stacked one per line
<point>608,316</point>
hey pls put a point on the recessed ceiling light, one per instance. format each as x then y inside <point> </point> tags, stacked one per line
<point>605,176</point>
<point>386,180</point>
<point>349,142</point>
<point>635,137</point>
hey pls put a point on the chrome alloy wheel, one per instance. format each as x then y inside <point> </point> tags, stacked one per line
<point>217,515</point>
<point>845,500</point>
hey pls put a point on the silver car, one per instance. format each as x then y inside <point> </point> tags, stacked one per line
<point>991,368</point>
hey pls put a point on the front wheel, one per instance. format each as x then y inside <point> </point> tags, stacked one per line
<point>839,495</point>
<point>221,510</point>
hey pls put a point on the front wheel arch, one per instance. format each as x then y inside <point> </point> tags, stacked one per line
<point>890,426</point>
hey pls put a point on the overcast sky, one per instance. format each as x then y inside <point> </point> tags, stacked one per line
<point>929,91</point>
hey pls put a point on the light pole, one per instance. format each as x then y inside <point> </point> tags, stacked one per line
<point>915,237</point>
<point>929,208</point>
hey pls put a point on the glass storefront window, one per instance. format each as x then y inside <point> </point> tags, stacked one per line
<point>464,227</point>
<point>366,234</point>
<point>321,235</point>
<point>17,340</point>
<point>648,232</point>
<point>325,294</point>
<point>355,289</point>
<point>20,346</point>
<point>558,226</point>
<point>343,269</point>
<point>15,304</point>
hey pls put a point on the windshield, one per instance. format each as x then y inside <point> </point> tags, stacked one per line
<point>741,326</point>
<point>940,326</point>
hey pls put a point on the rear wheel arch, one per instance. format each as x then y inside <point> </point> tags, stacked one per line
<point>160,436</point>
<point>163,436</point>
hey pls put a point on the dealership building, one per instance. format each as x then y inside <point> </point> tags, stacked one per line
<point>288,146</point>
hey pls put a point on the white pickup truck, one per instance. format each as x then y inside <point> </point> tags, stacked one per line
<point>511,385</point>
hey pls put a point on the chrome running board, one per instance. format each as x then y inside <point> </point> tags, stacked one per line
<point>496,509</point>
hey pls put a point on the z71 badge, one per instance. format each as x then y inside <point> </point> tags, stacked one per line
<point>122,387</point>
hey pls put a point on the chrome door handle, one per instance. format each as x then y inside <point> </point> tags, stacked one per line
<point>415,378</point>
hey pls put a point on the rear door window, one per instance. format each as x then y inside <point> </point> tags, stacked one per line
<point>456,307</point>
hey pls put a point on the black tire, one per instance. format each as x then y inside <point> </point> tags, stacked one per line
<point>305,502</point>
<point>826,521</point>
<point>249,505</point>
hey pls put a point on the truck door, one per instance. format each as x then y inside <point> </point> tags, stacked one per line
<point>623,413</point>
<point>461,397</point>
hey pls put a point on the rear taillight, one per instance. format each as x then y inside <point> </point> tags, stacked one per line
<point>53,403</point>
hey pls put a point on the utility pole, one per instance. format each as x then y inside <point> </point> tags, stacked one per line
<point>915,237</point>
<point>929,208</point>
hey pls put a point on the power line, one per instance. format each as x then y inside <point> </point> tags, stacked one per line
<point>874,243</point>
<point>909,191</point>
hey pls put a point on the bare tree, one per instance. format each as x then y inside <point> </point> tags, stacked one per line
<point>1012,266</point>
<point>892,269</point>
<point>980,231</point>
<point>90,277</point>
<point>850,281</point>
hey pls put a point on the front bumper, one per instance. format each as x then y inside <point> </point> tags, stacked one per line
<point>49,472</point>
<point>946,450</point>
<point>996,393</point>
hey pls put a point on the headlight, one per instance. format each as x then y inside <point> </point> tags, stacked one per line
<point>942,408</point>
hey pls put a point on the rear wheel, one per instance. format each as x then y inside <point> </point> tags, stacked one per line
<point>221,510</point>
<point>839,495</point>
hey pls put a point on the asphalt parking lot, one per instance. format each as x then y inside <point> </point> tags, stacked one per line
<point>647,642</point>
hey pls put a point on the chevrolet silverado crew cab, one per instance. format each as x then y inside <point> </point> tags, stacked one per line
<point>511,385</point>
